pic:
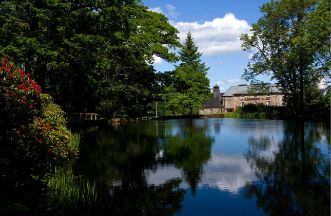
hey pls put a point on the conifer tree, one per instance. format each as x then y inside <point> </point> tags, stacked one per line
<point>191,84</point>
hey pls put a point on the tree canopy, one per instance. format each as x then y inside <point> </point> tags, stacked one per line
<point>89,55</point>
<point>291,43</point>
<point>189,88</point>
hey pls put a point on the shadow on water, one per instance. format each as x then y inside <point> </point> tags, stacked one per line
<point>296,179</point>
<point>110,176</point>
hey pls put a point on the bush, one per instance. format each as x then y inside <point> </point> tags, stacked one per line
<point>33,134</point>
<point>258,111</point>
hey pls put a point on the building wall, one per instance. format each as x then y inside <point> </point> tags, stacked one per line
<point>210,111</point>
<point>231,103</point>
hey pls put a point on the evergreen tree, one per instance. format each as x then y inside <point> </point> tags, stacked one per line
<point>191,86</point>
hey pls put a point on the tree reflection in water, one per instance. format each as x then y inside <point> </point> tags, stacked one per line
<point>113,165</point>
<point>296,179</point>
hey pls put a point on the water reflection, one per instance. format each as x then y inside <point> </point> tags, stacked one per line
<point>295,180</point>
<point>231,166</point>
<point>120,164</point>
<point>227,173</point>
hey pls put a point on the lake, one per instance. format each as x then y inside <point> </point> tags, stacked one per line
<point>199,167</point>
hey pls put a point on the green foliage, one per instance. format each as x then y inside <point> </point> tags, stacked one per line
<point>87,53</point>
<point>259,88</point>
<point>189,88</point>
<point>231,115</point>
<point>68,190</point>
<point>259,111</point>
<point>34,138</point>
<point>317,102</point>
<point>291,44</point>
<point>64,145</point>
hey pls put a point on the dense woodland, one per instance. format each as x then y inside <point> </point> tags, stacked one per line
<point>96,56</point>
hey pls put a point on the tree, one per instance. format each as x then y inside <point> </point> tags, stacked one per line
<point>190,87</point>
<point>291,43</point>
<point>88,54</point>
<point>130,84</point>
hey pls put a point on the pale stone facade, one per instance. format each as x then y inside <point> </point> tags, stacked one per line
<point>210,111</point>
<point>231,103</point>
<point>237,96</point>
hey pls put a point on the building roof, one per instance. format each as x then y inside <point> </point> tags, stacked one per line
<point>213,103</point>
<point>242,90</point>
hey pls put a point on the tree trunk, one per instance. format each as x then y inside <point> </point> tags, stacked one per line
<point>301,86</point>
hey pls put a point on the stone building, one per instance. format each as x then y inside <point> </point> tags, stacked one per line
<point>237,96</point>
<point>213,105</point>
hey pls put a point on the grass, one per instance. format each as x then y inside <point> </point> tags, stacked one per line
<point>231,115</point>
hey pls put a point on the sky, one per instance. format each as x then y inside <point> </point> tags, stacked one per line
<point>215,26</point>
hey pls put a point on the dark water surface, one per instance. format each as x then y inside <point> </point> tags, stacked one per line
<point>201,167</point>
<point>197,167</point>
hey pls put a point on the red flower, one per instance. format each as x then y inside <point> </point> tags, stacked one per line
<point>8,68</point>
<point>23,87</point>
<point>36,87</point>
<point>30,106</point>
<point>22,74</point>
<point>4,64</point>
<point>40,140</point>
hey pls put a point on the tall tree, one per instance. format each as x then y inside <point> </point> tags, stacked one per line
<point>88,54</point>
<point>191,86</point>
<point>291,43</point>
<point>130,84</point>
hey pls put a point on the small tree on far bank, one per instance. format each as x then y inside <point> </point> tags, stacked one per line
<point>191,86</point>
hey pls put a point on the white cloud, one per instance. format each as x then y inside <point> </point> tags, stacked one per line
<point>218,36</point>
<point>220,82</point>
<point>157,60</point>
<point>171,11</point>
<point>228,82</point>
<point>231,81</point>
<point>156,9</point>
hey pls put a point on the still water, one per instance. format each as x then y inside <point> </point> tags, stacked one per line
<point>199,167</point>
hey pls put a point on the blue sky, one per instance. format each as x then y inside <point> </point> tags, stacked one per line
<point>215,26</point>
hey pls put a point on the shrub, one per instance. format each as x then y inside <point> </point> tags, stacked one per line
<point>258,111</point>
<point>34,138</point>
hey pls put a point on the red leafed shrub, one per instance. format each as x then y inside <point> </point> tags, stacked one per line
<point>33,133</point>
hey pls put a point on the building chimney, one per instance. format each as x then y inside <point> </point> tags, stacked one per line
<point>216,91</point>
